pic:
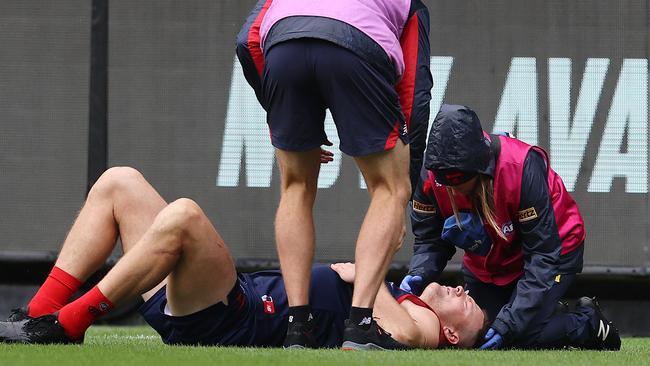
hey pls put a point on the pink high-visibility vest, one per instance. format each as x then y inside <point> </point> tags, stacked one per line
<point>381,20</point>
<point>504,263</point>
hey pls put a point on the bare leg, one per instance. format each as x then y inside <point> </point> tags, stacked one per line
<point>183,244</point>
<point>387,178</point>
<point>294,222</point>
<point>121,203</point>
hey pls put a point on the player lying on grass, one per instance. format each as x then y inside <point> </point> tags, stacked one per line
<point>176,260</point>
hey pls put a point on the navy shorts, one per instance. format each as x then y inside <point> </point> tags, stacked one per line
<point>256,314</point>
<point>218,324</point>
<point>303,77</point>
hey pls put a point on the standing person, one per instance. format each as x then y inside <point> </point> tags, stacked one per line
<point>368,62</point>
<point>497,198</point>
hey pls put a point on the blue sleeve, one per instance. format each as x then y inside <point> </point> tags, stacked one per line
<point>430,252</point>
<point>541,245</point>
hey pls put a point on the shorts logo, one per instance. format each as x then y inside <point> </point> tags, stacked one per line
<point>422,208</point>
<point>507,228</point>
<point>527,214</point>
<point>267,302</point>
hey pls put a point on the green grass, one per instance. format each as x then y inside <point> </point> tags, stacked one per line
<point>141,346</point>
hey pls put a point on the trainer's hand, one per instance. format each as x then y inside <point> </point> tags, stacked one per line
<point>345,270</point>
<point>412,284</point>
<point>493,339</point>
<point>326,156</point>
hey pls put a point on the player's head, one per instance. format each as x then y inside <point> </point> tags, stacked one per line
<point>461,319</point>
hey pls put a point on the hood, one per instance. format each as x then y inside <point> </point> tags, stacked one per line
<point>457,142</point>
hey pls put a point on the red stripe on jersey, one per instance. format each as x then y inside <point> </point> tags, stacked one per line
<point>406,87</point>
<point>442,340</point>
<point>392,138</point>
<point>254,39</point>
<point>414,299</point>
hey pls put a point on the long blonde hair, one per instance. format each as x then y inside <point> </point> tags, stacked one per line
<point>483,201</point>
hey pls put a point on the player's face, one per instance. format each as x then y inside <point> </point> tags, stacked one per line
<point>454,307</point>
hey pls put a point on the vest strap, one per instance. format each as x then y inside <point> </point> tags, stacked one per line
<point>495,145</point>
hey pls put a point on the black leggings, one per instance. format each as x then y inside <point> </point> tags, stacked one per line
<point>549,329</point>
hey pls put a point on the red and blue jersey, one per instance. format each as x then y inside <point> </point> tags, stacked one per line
<point>256,313</point>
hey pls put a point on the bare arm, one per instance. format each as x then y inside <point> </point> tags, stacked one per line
<point>407,323</point>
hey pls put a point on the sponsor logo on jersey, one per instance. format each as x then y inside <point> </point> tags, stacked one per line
<point>267,302</point>
<point>422,208</point>
<point>507,228</point>
<point>527,214</point>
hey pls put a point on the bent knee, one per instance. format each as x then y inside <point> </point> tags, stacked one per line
<point>115,180</point>
<point>181,214</point>
<point>120,173</point>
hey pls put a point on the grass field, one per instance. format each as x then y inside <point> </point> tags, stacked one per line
<point>141,346</point>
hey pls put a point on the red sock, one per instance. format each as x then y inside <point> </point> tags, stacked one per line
<point>78,315</point>
<point>54,293</point>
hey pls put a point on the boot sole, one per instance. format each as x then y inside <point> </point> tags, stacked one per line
<point>295,346</point>
<point>353,346</point>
